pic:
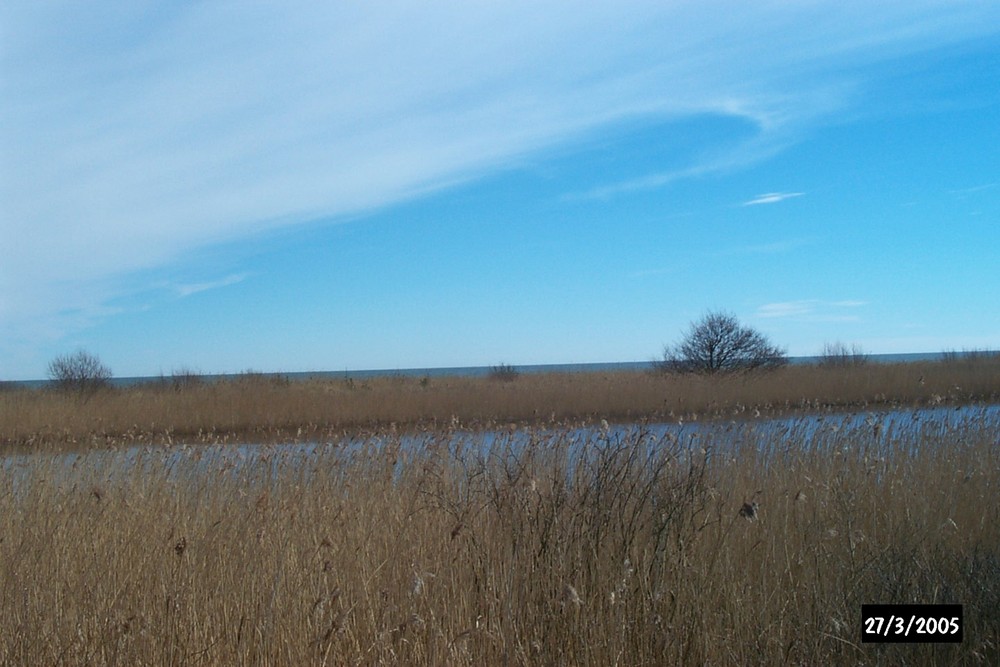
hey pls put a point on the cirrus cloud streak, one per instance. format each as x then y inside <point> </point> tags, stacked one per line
<point>133,135</point>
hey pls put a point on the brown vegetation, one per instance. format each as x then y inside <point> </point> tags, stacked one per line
<point>257,408</point>
<point>538,547</point>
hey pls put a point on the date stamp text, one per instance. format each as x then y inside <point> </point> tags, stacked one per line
<point>911,623</point>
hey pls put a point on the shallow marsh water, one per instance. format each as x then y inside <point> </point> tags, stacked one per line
<point>880,434</point>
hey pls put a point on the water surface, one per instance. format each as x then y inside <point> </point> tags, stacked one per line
<point>882,433</point>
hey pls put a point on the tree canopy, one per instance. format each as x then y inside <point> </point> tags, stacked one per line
<point>717,343</point>
<point>79,372</point>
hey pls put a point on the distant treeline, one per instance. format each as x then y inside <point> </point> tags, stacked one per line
<point>484,371</point>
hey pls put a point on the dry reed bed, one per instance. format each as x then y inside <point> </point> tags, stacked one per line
<point>258,409</point>
<point>530,547</point>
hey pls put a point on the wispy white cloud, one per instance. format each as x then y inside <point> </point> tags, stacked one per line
<point>771,198</point>
<point>661,271</point>
<point>786,308</point>
<point>771,248</point>
<point>814,310</point>
<point>773,133</point>
<point>133,134</point>
<point>974,189</point>
<point>194,288</point>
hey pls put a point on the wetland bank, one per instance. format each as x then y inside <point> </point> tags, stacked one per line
<point>461,527</point>
<point>253,407</point>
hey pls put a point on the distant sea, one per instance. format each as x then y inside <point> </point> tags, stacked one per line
<point>477,371</point>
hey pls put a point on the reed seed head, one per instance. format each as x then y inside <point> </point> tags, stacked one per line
<point>570,596</point>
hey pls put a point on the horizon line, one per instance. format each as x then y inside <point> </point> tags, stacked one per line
<point>481,370</point>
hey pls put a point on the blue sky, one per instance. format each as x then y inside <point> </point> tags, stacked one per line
<point>292,187</point>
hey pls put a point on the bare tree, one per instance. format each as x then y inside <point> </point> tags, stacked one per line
<point>838,355</point>
<point>718,343</point>
<point>79,372</point>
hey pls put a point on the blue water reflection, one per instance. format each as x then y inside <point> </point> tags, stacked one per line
<point>880,432</point>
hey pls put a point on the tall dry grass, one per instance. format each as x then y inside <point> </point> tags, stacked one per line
<point>521,546</point>
<point>256,408</point>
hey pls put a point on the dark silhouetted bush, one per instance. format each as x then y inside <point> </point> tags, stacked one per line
<point>718,343</point>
